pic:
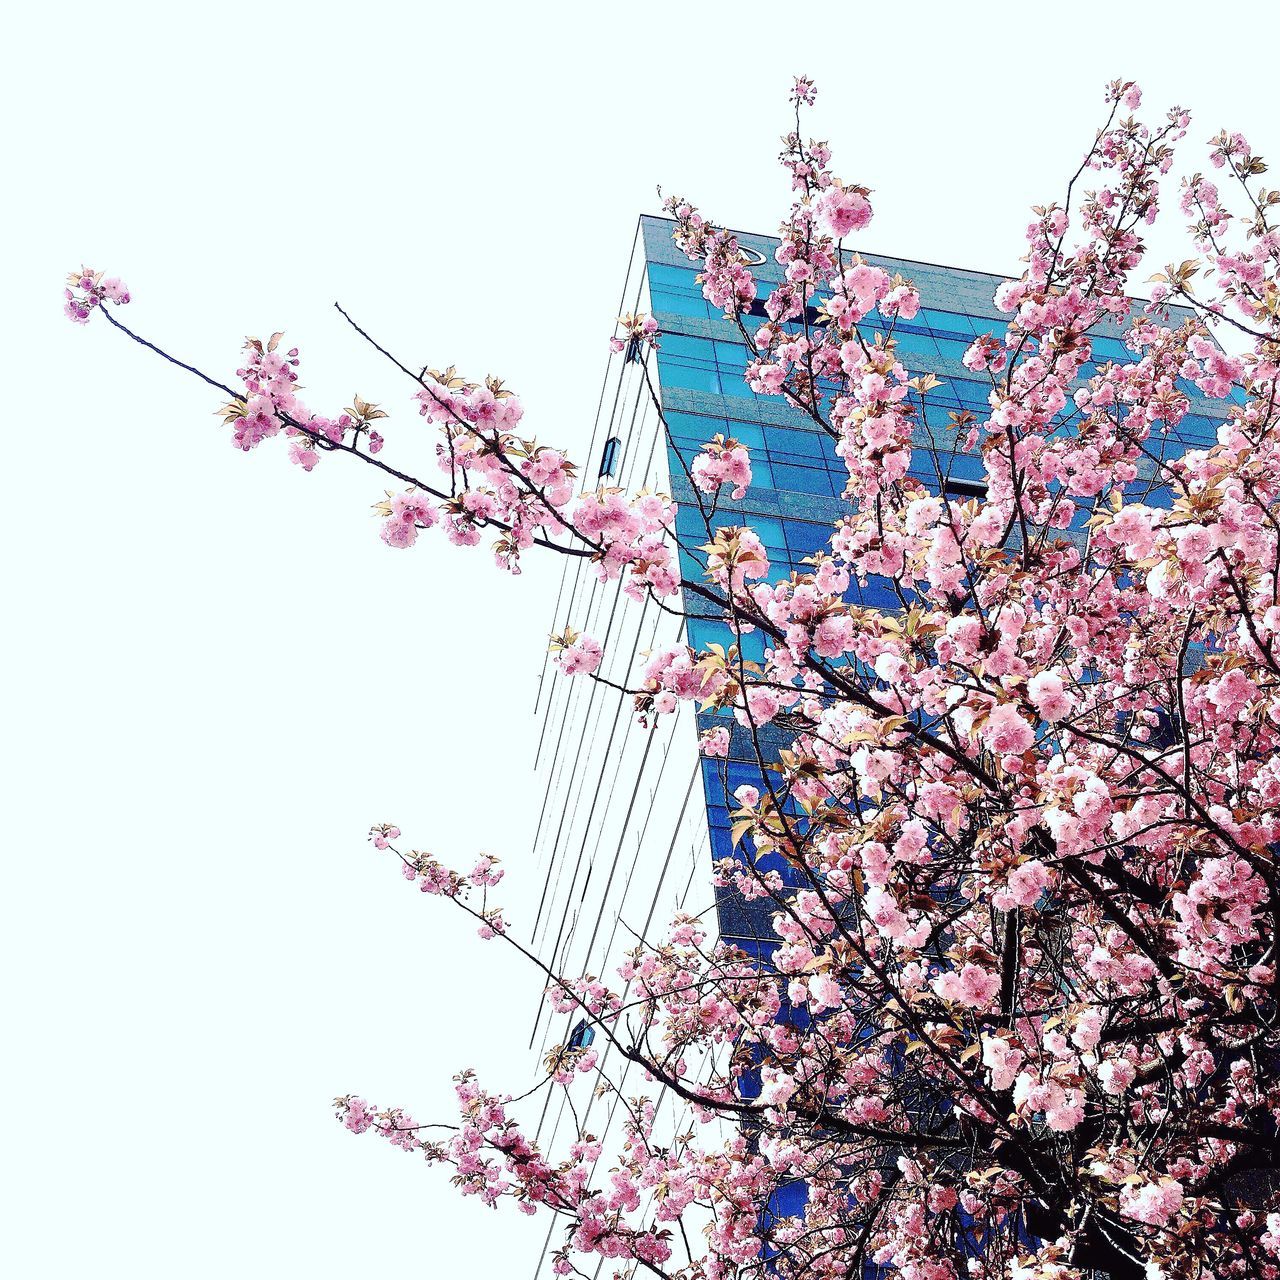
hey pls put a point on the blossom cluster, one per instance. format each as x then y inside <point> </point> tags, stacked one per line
<point>722,461</point>
<point>87,290</point>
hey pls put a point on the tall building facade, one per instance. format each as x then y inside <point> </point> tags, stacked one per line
<point>631,816</point>
<point>795,497</point>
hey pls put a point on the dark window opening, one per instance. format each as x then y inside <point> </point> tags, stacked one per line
<point>964,489</point>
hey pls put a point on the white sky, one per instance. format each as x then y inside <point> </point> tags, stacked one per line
<point>217,676</point>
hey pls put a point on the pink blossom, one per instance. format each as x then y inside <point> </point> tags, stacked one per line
<point>824,993</point>
<point>844,211</point>
<point>972,986</point>
<point>1023,886</point>
<point>87,290</point>
<point>580,657</point>
<point>902,301</point>
<point>1152,1202</point>
<point>1002,1059</point>
<point>406,514</point>
<point>1005,731</point>
<point>1232,691</point>
<point>1115,1075</point>
<point>722,462</point>
<point>1049,697</point>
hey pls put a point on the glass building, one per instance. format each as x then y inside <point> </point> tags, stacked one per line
<point>797,478</point>
<point>631,817</point>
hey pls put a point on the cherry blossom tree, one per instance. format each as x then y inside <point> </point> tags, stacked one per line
<point>1020,1017</point>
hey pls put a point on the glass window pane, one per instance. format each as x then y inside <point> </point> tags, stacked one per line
<point>681,304</point>
<point>675,373</point>
<point>682,277</point>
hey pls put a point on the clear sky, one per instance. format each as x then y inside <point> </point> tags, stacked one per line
<point>217,676</point>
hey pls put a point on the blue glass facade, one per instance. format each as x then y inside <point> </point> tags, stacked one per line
<point>630,817</point>
<point>798,479</point>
